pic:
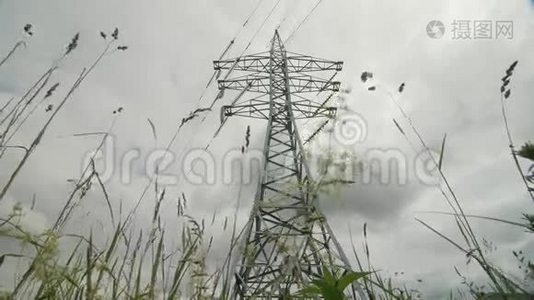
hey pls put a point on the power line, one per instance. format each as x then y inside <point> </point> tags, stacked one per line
<point>177,131</point>
<point>249,17</point>
<point>227,49</point>
<point>244,50</point>
<point>303,21</point>
<point>261,27</point>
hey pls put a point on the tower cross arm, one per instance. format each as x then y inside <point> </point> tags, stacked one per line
<point>304,63</point>
<point>260,63</point>
<point>260,110</point>
<point>297,84</point>
<point>252,63</point>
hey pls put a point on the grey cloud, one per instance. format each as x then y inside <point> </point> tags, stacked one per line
<point>451,87</point>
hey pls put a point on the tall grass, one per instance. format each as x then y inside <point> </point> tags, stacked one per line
<point>133,263</point>
<point>500,283</point>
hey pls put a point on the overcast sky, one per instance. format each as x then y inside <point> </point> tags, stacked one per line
<point>452,86</point>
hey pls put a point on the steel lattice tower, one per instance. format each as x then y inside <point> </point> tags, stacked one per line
<point>287,240</point>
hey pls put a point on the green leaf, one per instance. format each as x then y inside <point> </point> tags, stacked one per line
<point>328,276</point>
<point>310,291</point>
<point>349,278</point>
<point>329,291</point>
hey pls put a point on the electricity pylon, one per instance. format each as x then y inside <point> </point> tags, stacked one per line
<point>287,242</point>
